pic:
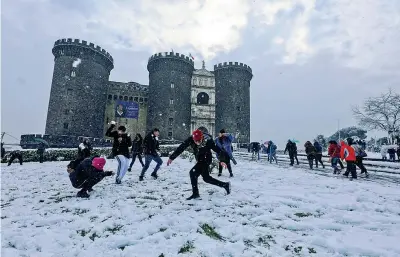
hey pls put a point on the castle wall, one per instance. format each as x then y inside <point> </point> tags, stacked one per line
<point>232,91</point>
<point>169,95</point>
<point>129,92</point>
<point>203,89</point>
<point>78,90</point>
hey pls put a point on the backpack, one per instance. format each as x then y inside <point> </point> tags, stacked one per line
<point>318,147</point>
<point>362,153</point>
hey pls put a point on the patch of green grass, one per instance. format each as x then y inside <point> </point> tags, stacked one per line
<point>311,250</point>
<point>93,236</point>
<point>83,232</point>
<point>149,197</point>
<point>78,211</point>
<point>163,229</point>
<point>161,255</point>
<point>302,214</point>
<point>187,247</point>
<point>211,232</point>
<point>114,229</point>
<point>297,249</point>
<point>248,243</point>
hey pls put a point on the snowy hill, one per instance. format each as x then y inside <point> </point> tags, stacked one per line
<point>272,211</point>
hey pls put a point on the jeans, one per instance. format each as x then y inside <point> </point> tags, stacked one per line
<point>147,160</point>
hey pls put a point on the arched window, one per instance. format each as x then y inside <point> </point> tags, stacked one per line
<point>202,98</point>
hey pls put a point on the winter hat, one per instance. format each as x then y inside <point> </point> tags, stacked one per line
<point>99,163</point>
<point>222,131</point>
<point>122,128</point>
<point>349,141</point>
<point>197,135</point>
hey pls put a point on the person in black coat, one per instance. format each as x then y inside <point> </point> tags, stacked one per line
<point>151,147</point>
<point>86,174</point>
<point>40,151</point>
<point>202,150</point>
<point>84,149</point>
<point>291,148</point>
<point>3,151</point>
<point>137,149</point>
<point>120,149</point>
<point>15,155</point>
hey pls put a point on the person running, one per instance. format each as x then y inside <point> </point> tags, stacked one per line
<point>151,147</point>
<point>120,149</point>
<point>137,150</point>
<point>202,149</point>
<point>15,155</point>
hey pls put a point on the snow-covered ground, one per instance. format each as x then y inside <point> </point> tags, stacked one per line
<point>272,211</point>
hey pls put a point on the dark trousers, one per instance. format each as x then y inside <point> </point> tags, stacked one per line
<point>41,158</point>
<point>392,157</point>
<point>91,181</point>
<point>318,158</point>
<point>293,156</point>
<point>201,168</point>
<point>359,163</point>
<point>341,164</point>
<point>147,160</point>
<point>134,155</point>
<point>351,168</point>
<point>310,159</point>
<point>228,165</point>
<point>13,157</point>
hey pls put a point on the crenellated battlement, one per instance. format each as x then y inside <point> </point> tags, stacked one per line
<point>172,55</point>
<point>235,65</point>
<point>82,43</point>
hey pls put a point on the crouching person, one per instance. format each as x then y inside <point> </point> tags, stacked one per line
<point>86,174</point>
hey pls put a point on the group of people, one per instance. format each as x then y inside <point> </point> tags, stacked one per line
<point>86,171</point>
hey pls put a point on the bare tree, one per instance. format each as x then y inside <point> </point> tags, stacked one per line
<point>380,113</point>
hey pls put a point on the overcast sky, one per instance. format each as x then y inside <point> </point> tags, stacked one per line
<point>311,59</point>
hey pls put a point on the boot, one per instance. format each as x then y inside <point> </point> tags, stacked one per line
<point>140,178</point>
<point>129,169</point>
<point>219,174</point>
<point>82,194</point>
<point>227,187</point>
<point>193,196</point>
<point>231,175</point>
<point>90,189</point>
<point>154,175</point>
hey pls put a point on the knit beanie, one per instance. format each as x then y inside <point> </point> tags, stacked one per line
<point>99,163</point>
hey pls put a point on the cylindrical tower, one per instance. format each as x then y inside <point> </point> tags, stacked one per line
<point>232,96</point>
<point>170,76</point>
<point>78,90</point>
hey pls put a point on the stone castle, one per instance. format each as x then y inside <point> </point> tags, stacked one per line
<point>178,99</point>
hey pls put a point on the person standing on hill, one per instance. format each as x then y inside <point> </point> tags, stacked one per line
<point>151,147</point>
<point>272,152</point>
<point>202,149</point>
<point>291,148</point>
<point>348,153</point>
<point>310,151</point>
<point>224,141</point>
<point>137,149</point>
<point>334,154</point>
<point>318,154</point>
<point>120,149</point>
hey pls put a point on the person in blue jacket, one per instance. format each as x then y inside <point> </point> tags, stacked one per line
<point>224,141</point>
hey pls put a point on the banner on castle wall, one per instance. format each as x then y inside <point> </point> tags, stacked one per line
<point>128,110</point>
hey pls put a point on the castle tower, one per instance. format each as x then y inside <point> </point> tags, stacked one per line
<point>169,93</point>
<point>78,90</point>
<point>232,94</point>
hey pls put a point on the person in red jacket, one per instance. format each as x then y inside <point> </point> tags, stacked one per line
<point>347,153</point>
<point>334,154</point>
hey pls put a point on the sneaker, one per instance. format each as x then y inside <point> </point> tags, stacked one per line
<point>227,187</point>
<point>154,175</point>
<point>140,178</point>
<point>82,194</point>
<point>118,181</point>
<point>219,174</point>
<point>129,169</point>
<point>193,196</point>
<point>231,175</point>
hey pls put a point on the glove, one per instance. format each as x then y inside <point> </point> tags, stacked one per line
<point>112,122</point>
<point>223,164</point>
<point>169,162</point>
<point>108,173</point>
